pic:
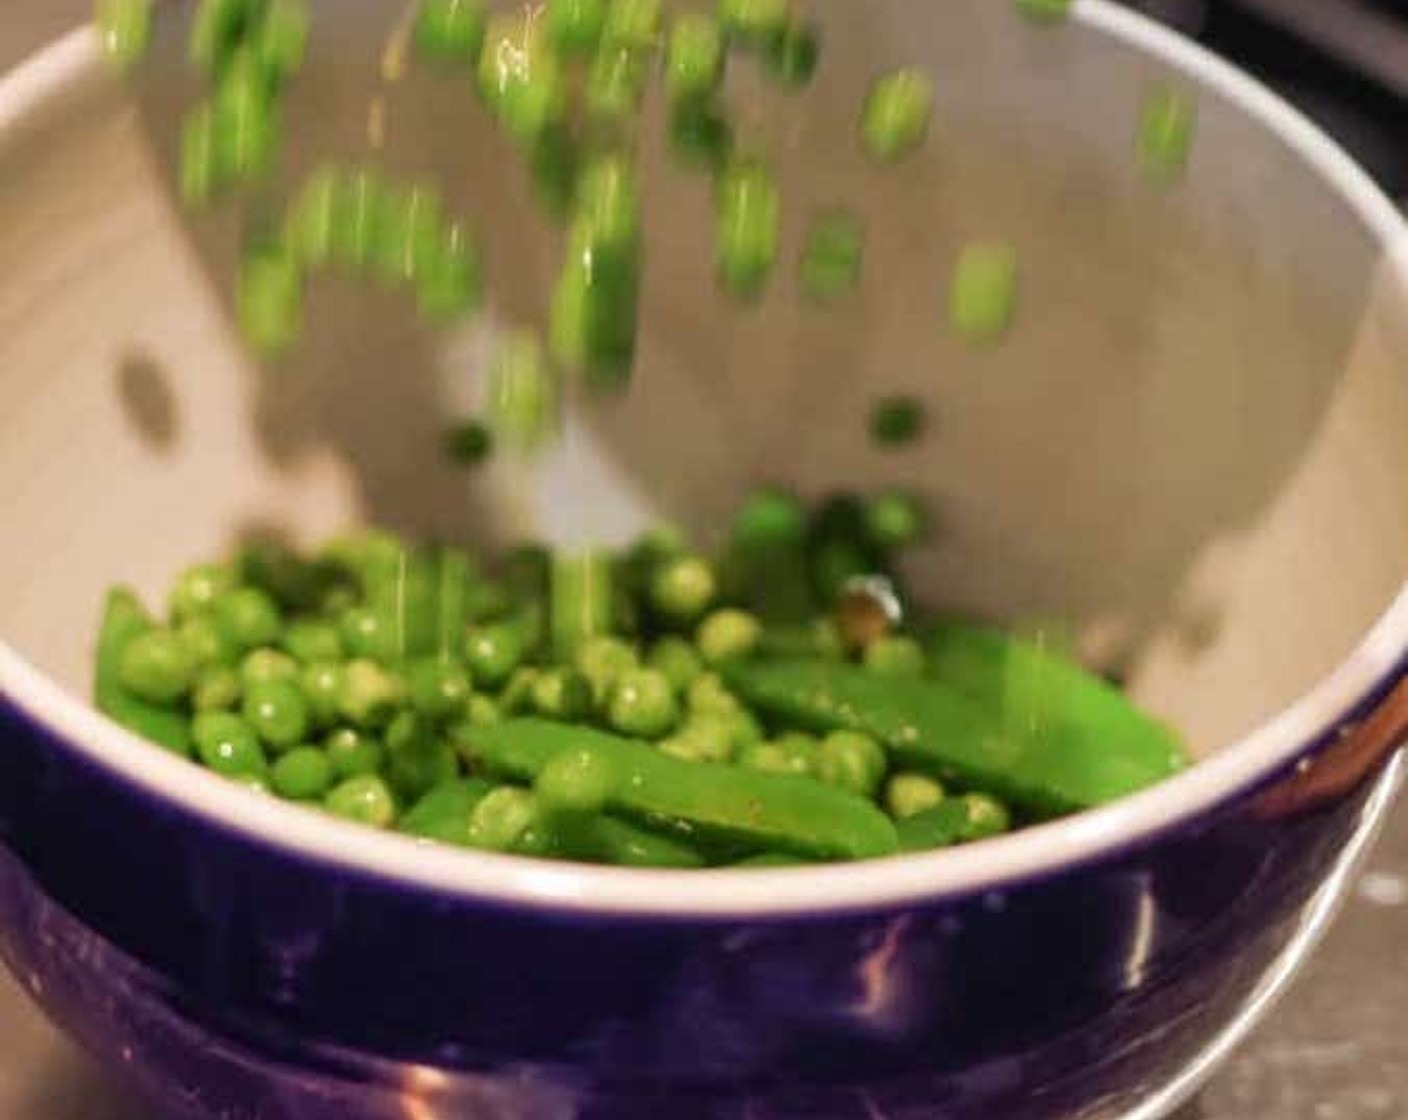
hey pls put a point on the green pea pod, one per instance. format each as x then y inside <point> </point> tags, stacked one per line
<point>609,840</point>
<point>958,820</point>
<point>767,861</point>
<point>445,813</point>
<point>932,726</point>
<point>1034,687</point>
<point>581,600</point>
<point>123,620</point>
<point>767,811</point>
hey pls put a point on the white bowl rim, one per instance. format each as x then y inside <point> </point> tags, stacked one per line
<point>985,868</point>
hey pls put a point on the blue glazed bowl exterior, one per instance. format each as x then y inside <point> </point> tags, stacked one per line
<point>229,977</point>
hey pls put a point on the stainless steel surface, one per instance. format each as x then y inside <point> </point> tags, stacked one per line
<point>1335,1050</point>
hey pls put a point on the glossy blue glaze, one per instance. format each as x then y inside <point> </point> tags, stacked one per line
<point>225,974</point>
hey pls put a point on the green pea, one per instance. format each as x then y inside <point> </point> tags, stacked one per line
<point>270,301</point>
<point>986,816</point>
<point>439,689</point>
<point>228,745</point>
<point>728,635</point>
<point>596,306</point>
<point>278,713</point>
<point>562,694</point>
<point>603,661</point>
<point>897,114</point>
<point>695,58</point>
<point>615,86</point>
<point>634,24</point>
<point>701,135</point>
<point>704,738</point>
<point>982,301</point>
<point>1166,127</point>
<point>482,711</point>
<point>851,761</point>
<point>217,689</point>
<point>450,285</point>
<point>358,202</point>
<point>794,754</point>
<point>450,30</point>
<point>410,233</point>
<point>124,30</point>
<point>207,642</point>
<point>833,257</point>
<point>373,634</point>
<point>683,589</point>
<point>311,227</point>
<point>281,43</point>
<point>749,229</point>
<point>261,666</point>
<point>554,160</point>
<point>469,443</point>
<point>895,656</point>
<point>769,519</point>
<point>579,781</point>
<point>312,640</point>
<point>500,821</point>
<point>894,521</point>
<point>363,800</point>
<point>643,704</point>
<point>755,22</point>
<point>369,694</point>
<point>524,395</point>
<point>417,759</point>
<point>200,168</point>
<point>1044,11</point>
<point>791,59</point>
<point>493,652</point>
<point>908,794</point>
<point>516,698</point>
<point>677,660</point>
<point>246,121</point>
<point>217,29</point>
<point>837,565</point>
<point>157,666</point>
<point>608,203</point>
<point>197,588</point>
<point>574,26</point>
<point>522,81</point>
<point>323,683</point>
<point>352,753</point>
<point>304,774</point>
<point>897,421</point>
<point>709,695</point>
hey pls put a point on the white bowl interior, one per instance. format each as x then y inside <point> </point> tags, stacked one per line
<point>1190,449</point>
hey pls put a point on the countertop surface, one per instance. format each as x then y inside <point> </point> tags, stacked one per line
<point>1336,1049</point>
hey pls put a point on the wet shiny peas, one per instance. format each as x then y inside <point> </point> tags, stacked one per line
<point>304,774</point>
<point>439,690</point>
<point>983,296</point>
<point>579,781</point>
<point>311,227</point>
<point>677,660</point>
<point>521,79</point>
<point>755,22</point>
<point>695,58</point>
<point>371,633</point>
<point>516,698</point>
<point>791,58</point>
<point>794,754</point>
<point>769,519</point>
<point>895,656</point>
<point>701,135</point>
<point>907,794</point>
<point>124,30</point>
<point>986,816</point>
<point>683,589</point>
<point>897,115</point>
<point>217,29</point>
<point>634,24</point>
<point>492,653</point>
<point>352,753</point>
<point>228,745</point>
<point>417,757</point>
<point>894,521</point>
<point>643,704</point>
<point>500,821</point>
<point>281,42</point>
<point>358,201</point>
<point>207,642</point>
<point>365,800</point>
<point>574,26</point>
<point>197,589</point>
<point>157,666</point>
<point>728,635</point>
<point>482,711</point>
<point>851,761</point>
<point>704,738</point>
<point>270,300</point>
<point>370,694</point>
<point>309,640</point>
<point>217,689</point>
<point>450,283</point>
<point>562,694</point>
<point>523,405</point>
<point>450,30</point>
<point>409,236</point>
<point>322,683</point>
<point>748,229</point>
<point>615,86</point>
<point>277,712</point>
<point>260,666</point>
<point>603,661</point>
<point>246,120</point>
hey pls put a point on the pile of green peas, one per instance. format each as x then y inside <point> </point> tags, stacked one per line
<point>356,680</point>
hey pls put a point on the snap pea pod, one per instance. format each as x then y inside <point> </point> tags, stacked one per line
<point>766,811</point>
<point>123,620</point>
<point>957,820</point>
<point>445,813</point>
<point>932,726</point>
<point>581,601</point>
<point>1038,689</point>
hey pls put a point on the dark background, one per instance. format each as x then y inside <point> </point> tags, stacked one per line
<point>1337,1049</point>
